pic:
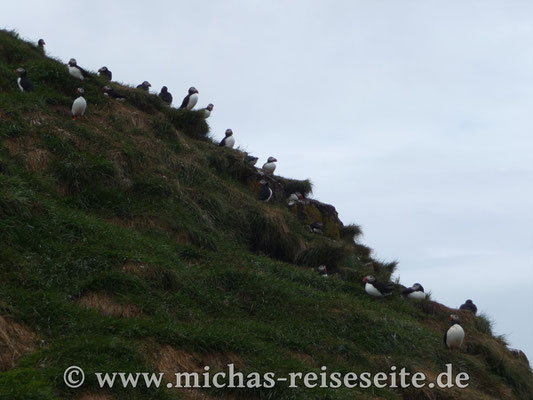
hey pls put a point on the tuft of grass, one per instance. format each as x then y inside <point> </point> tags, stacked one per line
<point>351,233</point>
<point>191,123</point>
<point>321,252</point>
<point>291,186</point>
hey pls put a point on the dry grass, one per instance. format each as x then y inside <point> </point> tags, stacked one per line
<point>15,340</point>
<point>107,306</point>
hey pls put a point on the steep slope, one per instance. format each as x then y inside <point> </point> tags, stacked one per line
<point>129,242</point>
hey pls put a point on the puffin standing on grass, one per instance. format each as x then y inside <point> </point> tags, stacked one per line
<point>144,86</point>
<point>229,140</point>
<point>40,45</point>
<point>207,110</point>
<point>414,292</point>
<point>76,71</point>
<point>106,73</point>
<point>469,306</point>
<point>79,105</point>
<point>322,270</point>
<point>265,192</point>
<point>270,165</point>
<point>165,95</point>
<point>454,336</point>
<point>191,99</point>
<point>110,92</point>
<point>377,289</point>
<point>25,84</point>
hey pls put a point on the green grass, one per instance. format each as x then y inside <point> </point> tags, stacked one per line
<point>134,204</point>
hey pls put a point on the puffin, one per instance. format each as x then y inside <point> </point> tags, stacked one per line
<point>25,84</point>
<point>454,336</point>
<point>191,99</point>
<point>110,92</point>
<point>251,160</point>
<point>76,71</point>
<point>144,86</point>
<point>207,110</point>
<point>270,165</point>
<point>322,270</point>
<point>377,289</point>
<point>317,227</point>
<point>469,306</point>
<point>40,45</point>
<point>294,198</point>
<point>414,292</point>
<point>265,192</point>
<point>79,105</point>
<point>106,73</point>
<point>165,95</point>
<point>229,140</point>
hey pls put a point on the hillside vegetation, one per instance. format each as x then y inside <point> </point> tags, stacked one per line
<point>130,242</point>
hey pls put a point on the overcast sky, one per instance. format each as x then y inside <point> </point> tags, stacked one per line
<point>413,118</point>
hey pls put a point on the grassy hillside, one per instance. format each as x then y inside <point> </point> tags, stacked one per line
<point>130,242</point>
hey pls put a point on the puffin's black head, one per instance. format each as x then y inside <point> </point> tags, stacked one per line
<point>80,91</point>
<point>418,286</point>
<point>72,62</point>
<point>262,182</point>
<point>192,90</point>
<point>210,107</point>
<point>107,89</point>
<point>369,279</point>
<point>469,301</point>
<point>229,132</point>
<point>103,69</point>
<point>454,319</point>
<point>271,159</point>
<point>322,269</point>
<point>21,71</point>
<point>41,43</point>
<point>164,89</point>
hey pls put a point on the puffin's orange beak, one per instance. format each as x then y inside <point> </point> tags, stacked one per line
<point>364,279</point>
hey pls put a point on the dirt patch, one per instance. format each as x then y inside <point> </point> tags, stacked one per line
<point>15,340</point>
<point>107,306</point>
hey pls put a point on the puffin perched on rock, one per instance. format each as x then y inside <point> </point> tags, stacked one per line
<point>106,73</point>
<point>229,140</point>
<point>322,270</point>
<point>265,192</point>
<point>40,45</point>
<point>25,84</point>
<point>377,289</point>
<point>251,160</point>
<point>414,292</point>
<point>110,92</point>
<point>79,105</point>
<point>207,110</point>
<point>144,86</point>
<point>191,99</point>
<point>270,165</point>
<point>294,198</point>
<point>469,306</point>
<point>454,336</point>
<point>76,71</point>
<point>165,95</point>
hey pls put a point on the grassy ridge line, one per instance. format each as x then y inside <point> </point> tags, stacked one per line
<point>121,214</point>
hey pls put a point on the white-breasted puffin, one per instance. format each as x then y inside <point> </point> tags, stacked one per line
<point>144,86</point>
<point>191,99</point>
<point>377,289</point>
<point>25,84</point>
<point>40,45</point>
<point>110,92</point>
<point>270,165</point>
<point>106,73</point>
<point>322,270</point>
<point>469,305</point>
<point>454,336</point>
<point>317,227</point>
<point>265,192</point>
<point>229,140</point>
<point>165,95</point>
<point>294,198</point>
<point>207,110</point>
<point>414,292</point>
<point>79,105</point>
<point>76,71</point>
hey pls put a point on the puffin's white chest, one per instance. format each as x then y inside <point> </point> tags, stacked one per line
<point>193,99</point>
<point>455,336</point>
<point>372,291</point>
<point>229,142</point>
<point>270,167</point>
<point>417,295</point>
<point>75,72</point>
<point>207,113</point>
<point>20,86</point>
<point>78,106</point>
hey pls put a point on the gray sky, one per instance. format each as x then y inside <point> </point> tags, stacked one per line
<point>413,118</point>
